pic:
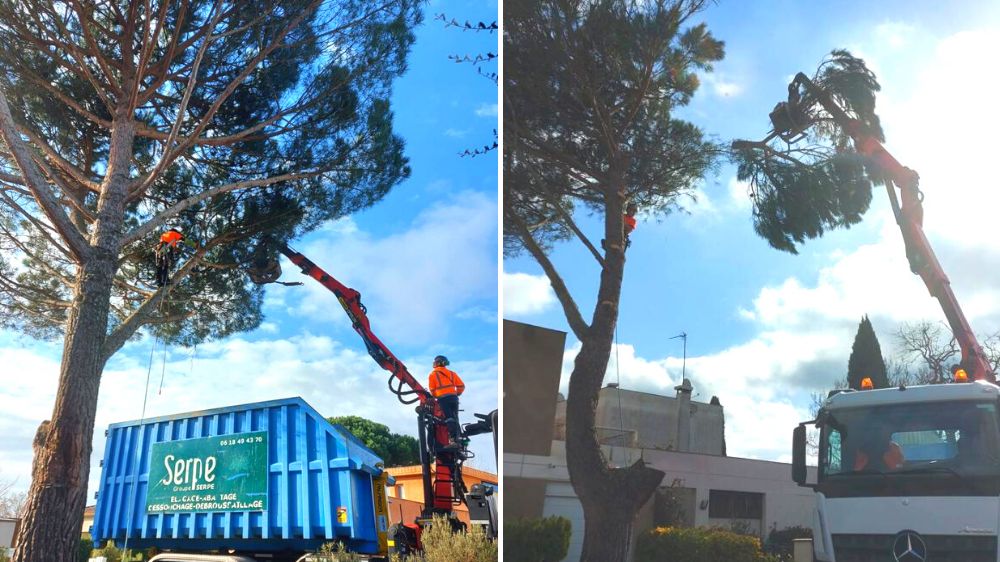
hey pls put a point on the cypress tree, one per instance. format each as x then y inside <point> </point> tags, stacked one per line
<point>866,358</point>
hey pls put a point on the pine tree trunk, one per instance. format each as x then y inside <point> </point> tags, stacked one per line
<point>53,518</point>
<point>51,529</point>
<point>610,496</point>
<point>608,532</point>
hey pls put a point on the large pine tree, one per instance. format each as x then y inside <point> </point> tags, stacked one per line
<point>866,358</point>
<point>591,95</point>
<point>118,120</point>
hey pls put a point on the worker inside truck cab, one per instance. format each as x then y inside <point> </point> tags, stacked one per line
<point>446,386</point>
<point>878,451</point>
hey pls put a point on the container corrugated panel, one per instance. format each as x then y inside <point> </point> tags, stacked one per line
<point>211,478</point>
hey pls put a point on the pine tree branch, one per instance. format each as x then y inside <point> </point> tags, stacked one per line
<point>81,64</point>
<point>165,158</point>
<point>163,217</point>
<point>42,262</point>
<point>141,315</point>
<point>171,154</point>
<point>147,52</point>
<point>572,312</point>
<point>568,220</point>
<point>75,241</point>
<point>85,20</point>
<point>43,229</point>
<point>60,162</point>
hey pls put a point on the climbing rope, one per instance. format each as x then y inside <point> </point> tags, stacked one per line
<point>163,368</point>
<point>138,452</point>
<point>618,388</point>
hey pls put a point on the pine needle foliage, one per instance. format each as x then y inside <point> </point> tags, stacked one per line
<point>818,182</point>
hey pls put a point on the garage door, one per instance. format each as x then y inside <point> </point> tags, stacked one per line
<point>560,500</point>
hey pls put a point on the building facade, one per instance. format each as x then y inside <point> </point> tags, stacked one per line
<point>406,495</point>
<point>684,439</point>
<point>8,530</point>
<point>627,418</point>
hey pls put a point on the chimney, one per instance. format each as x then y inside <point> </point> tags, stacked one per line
<point>684,416</point>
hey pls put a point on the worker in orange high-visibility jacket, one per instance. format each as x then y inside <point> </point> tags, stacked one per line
<point>167,254</point>
<point>446,386</point>
<point>629,219</point>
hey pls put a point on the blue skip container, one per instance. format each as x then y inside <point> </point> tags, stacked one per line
<point>265,477</point>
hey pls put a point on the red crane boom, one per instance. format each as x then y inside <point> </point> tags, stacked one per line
<point>443,485</point>
<point>791,119</point>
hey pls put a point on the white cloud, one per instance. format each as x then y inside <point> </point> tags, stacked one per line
<point>758,405</point>
<point>334,379</point>
<point>894,35</point>
<point>739,194</point>
<point>487,110</point>
<point>700,205</point>
<point>526,294</point>
<point>455,133</point>
<point>478,313</point>
<point>416,279</point>
<point>722,86</point>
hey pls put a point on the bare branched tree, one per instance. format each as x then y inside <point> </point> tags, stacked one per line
<point>225,120</point>
<point>933,345</point>
<point>12,501</point>
<point>991,347</point>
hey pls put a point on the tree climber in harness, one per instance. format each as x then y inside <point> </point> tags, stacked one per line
<point>629,220</point>
<point>167,253</point>
<point>628,225</point>
<point>446,386</point>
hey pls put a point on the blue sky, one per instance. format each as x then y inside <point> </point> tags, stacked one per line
<point>767,328</point>
<point>424,260</point>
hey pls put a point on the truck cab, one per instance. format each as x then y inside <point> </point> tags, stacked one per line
<point>906,474</point>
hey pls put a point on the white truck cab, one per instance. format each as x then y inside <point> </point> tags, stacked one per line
<point>906,474</point>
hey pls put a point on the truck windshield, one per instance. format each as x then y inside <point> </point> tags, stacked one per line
<point>959,438</point>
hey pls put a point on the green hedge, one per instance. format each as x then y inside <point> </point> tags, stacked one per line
<point>536,540</point>
<point>83,550</point>
<point>697,544</point>
<point>781,541</point>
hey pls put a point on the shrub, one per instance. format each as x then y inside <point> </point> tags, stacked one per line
<point>780,541</point>
<point>4,554</point>
<point>113,553</point>
<point>334,552</point>
<point>441,544</point>
<point>83,550</point>
<point>698,544</point>
<point>537,540</point>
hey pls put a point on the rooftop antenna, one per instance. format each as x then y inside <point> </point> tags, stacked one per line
<point>684,336</point>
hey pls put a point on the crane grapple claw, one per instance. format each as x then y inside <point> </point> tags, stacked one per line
<point>264,272</point>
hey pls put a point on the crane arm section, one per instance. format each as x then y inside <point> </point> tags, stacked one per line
<point>907,206</point>
<point>350,300</point>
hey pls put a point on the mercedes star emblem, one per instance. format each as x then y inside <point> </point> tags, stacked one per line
<point>909,547</point>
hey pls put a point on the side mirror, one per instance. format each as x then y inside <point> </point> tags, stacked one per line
<point>799,472</point>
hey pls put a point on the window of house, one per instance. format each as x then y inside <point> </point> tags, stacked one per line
<point>727,504</point>
<point>399,491</point>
